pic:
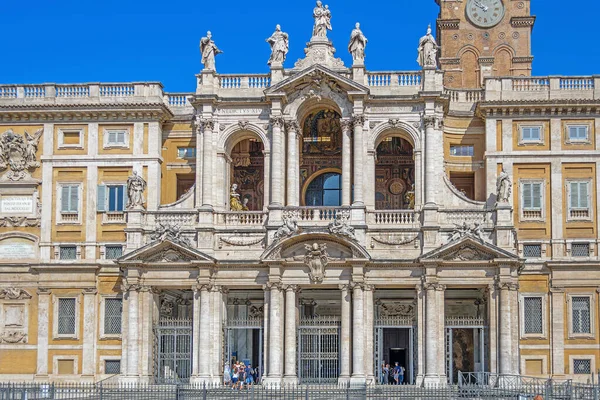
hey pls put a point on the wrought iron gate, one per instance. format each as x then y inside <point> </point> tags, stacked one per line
<point>318,350</point>
<point>173,350</point>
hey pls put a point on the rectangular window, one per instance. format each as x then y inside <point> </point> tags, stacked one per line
<point>111,198</point>
<point>186,152</point>
<point>70,138</point>
<point>532,200</point>
<point>112,367</point>
<point>116,138</point>
<point>580,249</point>
<point>69,199</point>
<point>578,133</point>
<point>113,252</point>
<point>113,309</point>
<point>531,134</point>
<point>532,315</point>
<point>582,367</point>
<point>66,316</point>
<point>461,150</point>
<point>580,314</point>
<point>579,199</point>
<point>67,252</point>
<point>532,250</point>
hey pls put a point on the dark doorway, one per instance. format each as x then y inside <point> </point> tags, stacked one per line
<point>398,356</point>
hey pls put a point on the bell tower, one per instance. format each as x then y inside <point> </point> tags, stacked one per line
<point>483,38</point>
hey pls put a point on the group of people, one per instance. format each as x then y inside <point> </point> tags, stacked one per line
<point>392,376</point>
<point>239,374</point>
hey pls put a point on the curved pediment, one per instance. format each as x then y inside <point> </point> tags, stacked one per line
<point>294,248</point>
<point>165,252</point>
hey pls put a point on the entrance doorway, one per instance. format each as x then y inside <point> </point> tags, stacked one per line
<point>172,351</point>
<point>245,344</point>
<point>395,345</point>
<point>318,350</point>
<point>466,349</point>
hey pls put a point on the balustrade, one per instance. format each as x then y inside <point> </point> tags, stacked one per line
<point>72,91</point>
<point>316,214</point>
<point>8,92</point>
<point>530,84</point>
<point>234,218</point>
<point>576,84</point>
<point>393,217</point>
<point>34,91</point>
<point>117,90</point>
<point>378,79</point>
<point>178,218</point>
<point>458,321</point>
<point>458,217</point>
<point>178,100</point>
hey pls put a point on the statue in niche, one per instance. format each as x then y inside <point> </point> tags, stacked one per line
<point>357,44</point>
<point>503,187</point>
<point>234,199</point>
<point>209,50</point>
<point>316,260</point>
<point>322,16</point>
<point>279,42</point>
<point>428,49</point>
<point>135,191</point>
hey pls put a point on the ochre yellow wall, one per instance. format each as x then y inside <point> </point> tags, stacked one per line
<point>574,146</point>
<point>579,229</point>
<point>175,136</point>
<point>531,147</point>
<point>115,150</point>
<point>69,232</point>
<point>70,151</point>
<point>532,229</point>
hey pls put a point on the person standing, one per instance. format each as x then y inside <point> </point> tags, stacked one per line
<point>396,373</point>
<point>227,375</point>
<point>401,375</point>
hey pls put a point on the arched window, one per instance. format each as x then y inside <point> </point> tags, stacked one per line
<point>325,190</point>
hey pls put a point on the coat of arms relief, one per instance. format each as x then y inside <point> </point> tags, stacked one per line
<point>18,154</point>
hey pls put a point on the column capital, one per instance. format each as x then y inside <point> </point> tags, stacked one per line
<point>203,124</point>
<point>205,287</point>
<point>292,126</point>
<point>434,286</point>
<point>346,124</point>
<point>432,121</point>
<point>131,287</point>
<point>358,120</point>
<point>273,286</point>
<point>512,286</point>
<point>345,286</point>
<point>276,122</point>
<point>368,288</point>
<point>89,291</point>
<point>292,288</point>
<point>357,285</point>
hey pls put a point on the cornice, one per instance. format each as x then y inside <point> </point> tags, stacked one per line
<point>536,108</point>
<point>522,60</point>
<point>88,112</point>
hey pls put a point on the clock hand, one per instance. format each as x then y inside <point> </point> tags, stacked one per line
<point>478,4</point>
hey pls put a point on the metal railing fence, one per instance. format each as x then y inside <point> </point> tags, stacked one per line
<point>497,387</point>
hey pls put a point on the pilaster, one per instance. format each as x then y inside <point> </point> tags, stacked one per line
<point>88,362</point>
<point>557,316</point>
<point>275,338</point>
<point>43,334</point>
<point>369,339</point>
<point>433,371</point>
<point>346,161</point>
<point>358,377</point>
<point>291,375</point>
<point>293,163</point>
<point>358,122</point>
<point>345,343</point>
<point>133,341</point>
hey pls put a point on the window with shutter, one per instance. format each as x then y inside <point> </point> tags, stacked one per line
<point>579,201</point>
<point>532,200</point>
<point>116,198</point>
<point>69,203</point>
<point>116,138</point>
<point>531,134</point>
<point>578,133</point>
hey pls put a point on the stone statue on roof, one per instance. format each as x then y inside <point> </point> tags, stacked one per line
<point>209,50</point>
<point>357,44</point>
<point>428,49</point>
<point>280,45</point>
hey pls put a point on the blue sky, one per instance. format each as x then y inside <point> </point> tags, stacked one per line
<point>114,41</point>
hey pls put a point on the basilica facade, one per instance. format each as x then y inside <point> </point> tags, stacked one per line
<point>315,221</point>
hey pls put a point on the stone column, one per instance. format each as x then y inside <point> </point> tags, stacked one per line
<point>277,157</point>
<point>199,151</point>
<point>420,348</point>
<point>358,122</point>
<point>293,163</point>
<point>505,322</point>
<point>345,336</point>
<point>195,335</point>
<point>275,342</point>
<point>266,311</point>
<point>358,336</point>
<point>432,336</point>
<point>346,161</point>
<point>133,340</point>
<point>291,376</point>
<point>418,177</point>
<point>43,333</point>
<point>206,127</point>
<point>493,324</point>
<point>88,363</point>
<point>557,315</point>
<point>205,339</point>
<point>369,321</point>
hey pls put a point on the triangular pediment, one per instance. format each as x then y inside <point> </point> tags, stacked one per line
<point>165,252</point>
<point>469,248</point>
<point>315,76</point>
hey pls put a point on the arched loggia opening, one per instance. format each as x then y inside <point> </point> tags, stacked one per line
<point>321,159</point>
<point>394,174</point>
<point>246,176</point>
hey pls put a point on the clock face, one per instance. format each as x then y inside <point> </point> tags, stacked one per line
<point>485,13</point>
